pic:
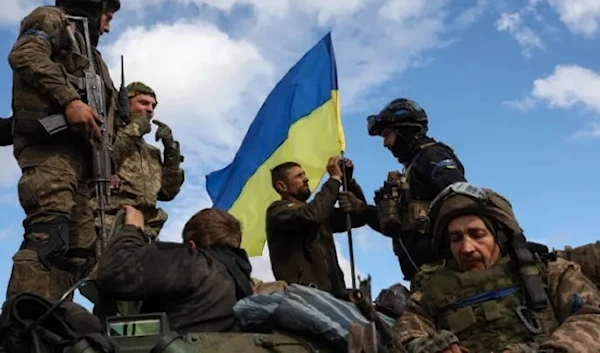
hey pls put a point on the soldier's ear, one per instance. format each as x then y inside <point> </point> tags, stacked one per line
<point>281,186</point>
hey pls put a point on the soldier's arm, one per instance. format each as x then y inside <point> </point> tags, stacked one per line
<point>368,216</point>
<point>414,324</point>
<point>172,174</point>
<point>42,34</point>
<point>315,212</point>
<point>132,269</point>
<point>440,167</point>
<point>576,303</point>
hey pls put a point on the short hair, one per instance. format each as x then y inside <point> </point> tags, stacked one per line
<point>279,173</point>
<point>213,227</point>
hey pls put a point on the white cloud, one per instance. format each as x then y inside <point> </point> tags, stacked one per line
<point>13,10</point>
<point>527,39</point>
<point>10,171</point>
<point>567,87</point>
<point>580,16</point>
<point>526,104</point>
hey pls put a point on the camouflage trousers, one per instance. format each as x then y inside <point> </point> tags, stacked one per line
<point>155,219</point>
<point>53,185</point>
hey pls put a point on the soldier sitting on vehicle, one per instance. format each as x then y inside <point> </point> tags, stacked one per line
<point>490,293</point>
<point>196,283</point>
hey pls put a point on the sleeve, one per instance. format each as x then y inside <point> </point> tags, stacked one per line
<point>577,306</point>
<point>414,323</point>
<point>132,269</point>
<point>42,34</point>
<point>367,216</point>
<point>442,167</point>
<point>284,214</point>
<point>172,175</point>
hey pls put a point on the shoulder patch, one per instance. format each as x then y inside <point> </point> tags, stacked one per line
<point>443,164</point>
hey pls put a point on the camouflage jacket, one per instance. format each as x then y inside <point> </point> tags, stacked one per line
<point>300,238</point>
<point>573,320</point>
<point>146,177</point>
<point>47,72</point>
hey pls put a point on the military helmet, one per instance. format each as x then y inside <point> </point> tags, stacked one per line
<point>137,87</point>
<point>108,5</point>
<point>391,301</point>
<point>399,112</point>
<point>462,198</point>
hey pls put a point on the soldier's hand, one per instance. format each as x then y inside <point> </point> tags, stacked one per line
<point>134,217</point>
<point>82,118</point>
<point>163,132</point>
<point>349,203</point>
<point>115,183</point>
<point>333,168</point>
<point>454,348</point>
<point>348,168</point>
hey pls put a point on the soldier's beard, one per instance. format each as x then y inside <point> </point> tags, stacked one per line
<point>302,194</point>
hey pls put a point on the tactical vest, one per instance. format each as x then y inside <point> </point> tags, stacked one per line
<point>484,309</point>
<point>413,213</point>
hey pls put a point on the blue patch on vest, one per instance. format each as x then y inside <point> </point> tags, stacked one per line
<point>441,165</point>
<point>38,33</point>
<point>575,303</point>
<point>485,296</point>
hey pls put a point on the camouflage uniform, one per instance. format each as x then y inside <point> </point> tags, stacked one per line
<point>145,178</point>
<point>587,256</point>
<point>479,310</point>
<point>53,188</point>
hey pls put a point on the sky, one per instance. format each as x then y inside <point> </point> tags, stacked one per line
<point>512,86</point>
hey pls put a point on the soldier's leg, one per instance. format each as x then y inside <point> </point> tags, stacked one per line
<point>155,222</point>
<point>82,237</point>
<point>47,194</point>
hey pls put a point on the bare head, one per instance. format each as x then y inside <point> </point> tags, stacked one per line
<point>290,181</point>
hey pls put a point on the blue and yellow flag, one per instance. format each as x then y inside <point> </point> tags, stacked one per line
<point>299,121</point>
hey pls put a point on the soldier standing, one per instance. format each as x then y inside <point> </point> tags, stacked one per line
<point>142,177</point>
<point>52,125</point>
<point>429,167</point>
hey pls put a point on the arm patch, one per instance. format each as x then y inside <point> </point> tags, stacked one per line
<point>444,164</point>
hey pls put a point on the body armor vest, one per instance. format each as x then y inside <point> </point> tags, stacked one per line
<point>484,309</point>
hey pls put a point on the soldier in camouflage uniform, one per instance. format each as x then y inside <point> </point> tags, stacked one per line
<point>490,293</point>
<point>587,256</point>
<point>142,177</point>
<point>48,60</point>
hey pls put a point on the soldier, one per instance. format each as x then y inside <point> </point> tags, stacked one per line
<point>429,167</point>
<point>48,62</point>
<point>300,233</point>
<point>142,178</point>
<point>490,293</point>
<point>207,274</point>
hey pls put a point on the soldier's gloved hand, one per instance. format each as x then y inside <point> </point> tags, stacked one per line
<point>141,121</point>
<point>443,341</point>
<point>349,203</point>
<point>347,168</point>
<point>389,215</point>
<point>163,133</point>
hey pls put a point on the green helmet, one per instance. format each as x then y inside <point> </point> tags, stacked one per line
<point>399,112</point>
<point>107,5</point>
<point>461,199</point>
<point>137,87</point>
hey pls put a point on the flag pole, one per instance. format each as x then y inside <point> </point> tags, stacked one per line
<point>348,225</point>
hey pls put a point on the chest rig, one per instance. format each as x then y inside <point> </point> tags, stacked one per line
<point>484,309</point>
<point>412,213</point>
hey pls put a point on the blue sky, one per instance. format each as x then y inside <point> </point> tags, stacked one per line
<point>512,86</point>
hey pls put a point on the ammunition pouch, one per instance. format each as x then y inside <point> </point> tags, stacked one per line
<point>39,126</point>
<point>55,252</point>
<point>414,217</point>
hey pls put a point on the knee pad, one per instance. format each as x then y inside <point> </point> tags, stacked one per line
<point>57,245</point>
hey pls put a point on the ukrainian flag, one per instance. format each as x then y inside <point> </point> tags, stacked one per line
<point>299,121</point>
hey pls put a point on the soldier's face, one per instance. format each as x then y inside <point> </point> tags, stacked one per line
<point>473,246</point>
<point>389,138</point>
<point>143,103</point>
<point>297,184</point>
<point>105,19</point>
